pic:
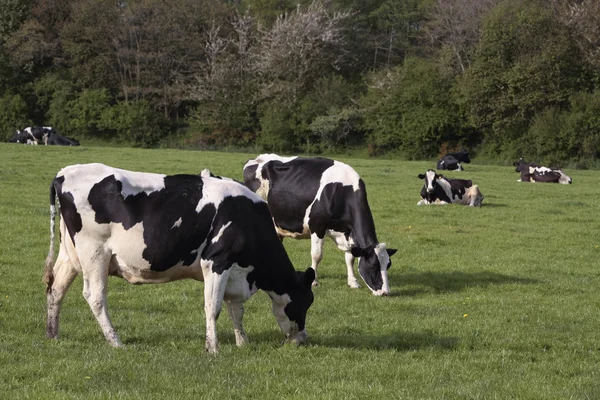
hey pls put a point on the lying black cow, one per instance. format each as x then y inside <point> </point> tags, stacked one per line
<point>318,197</point>
<point>441,190</point>
<point>532,172</point>
<point>452,161</point>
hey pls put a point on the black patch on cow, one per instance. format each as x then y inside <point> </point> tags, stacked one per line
<point>342,209</point>
<point>369,268</point>
<point>545,176</point>
<point>68,210</point>
<point>459,187</point>
<point>166,244</point>
<point>292,188</point>
<point>451,161</point>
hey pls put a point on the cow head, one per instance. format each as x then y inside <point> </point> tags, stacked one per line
<point>292,316</point>
<point>373,265</point>
<point>463,156</point>
<point>430,178</point>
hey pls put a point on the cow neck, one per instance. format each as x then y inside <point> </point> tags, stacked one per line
<point>363,228</point>
<point>279,275</point>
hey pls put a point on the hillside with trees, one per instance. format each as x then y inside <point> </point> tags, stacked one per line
<point>404,78</point>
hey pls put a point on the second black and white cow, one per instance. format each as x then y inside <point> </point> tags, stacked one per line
<point>438,189</point>
<point>318,197</point>
<point>532,172</point>
<point>153,228</point>
<point>452,161</point>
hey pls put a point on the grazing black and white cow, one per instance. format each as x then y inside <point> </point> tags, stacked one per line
<point>152,228</point>
<point>441,190</point>
<point>315,197</point>
<point>452,161</point>
<point>532,172</point>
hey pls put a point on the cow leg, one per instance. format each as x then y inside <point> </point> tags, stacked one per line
<point>316,254</point>
<point>95,283</point>
<point>352,282</point>
<point>236,312</point>
<point>214,291</point>
<point>64,273</point>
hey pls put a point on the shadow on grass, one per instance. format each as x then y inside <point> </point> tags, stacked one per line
<point>401,341</point>
<point>494,205</point>
<point>455,281</point>
<point>349,339</point>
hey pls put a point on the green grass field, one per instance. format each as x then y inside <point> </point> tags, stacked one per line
<point>498,302</point>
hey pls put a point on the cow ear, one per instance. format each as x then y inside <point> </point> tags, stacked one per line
<point>356,251</point>
<point>309,276</point>
<point>391,252</point>
<point>421,176</point>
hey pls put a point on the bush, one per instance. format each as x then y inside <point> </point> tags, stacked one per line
<point>13,115</point>
<point>134,122</point>
<point>559,136</point>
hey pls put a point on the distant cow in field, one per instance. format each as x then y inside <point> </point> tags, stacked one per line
<point>318,197</point>
<point>438,189</point>
<point>532,172</point>
<point>452,161</point>
<point>42,135</point>
<point>153,228</point>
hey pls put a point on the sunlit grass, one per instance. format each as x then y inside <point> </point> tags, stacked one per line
<point>497,302</point>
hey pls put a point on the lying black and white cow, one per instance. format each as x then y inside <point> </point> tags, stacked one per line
<point>42,135</point>
<point>315,197</point>
<point>152,228</point>
<point>452,161</point>
<point>532,172</point>
<point>441,190</point>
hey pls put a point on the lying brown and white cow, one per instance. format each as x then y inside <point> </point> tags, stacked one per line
<point>441,190</point>
<point>532,172</point>
<point>153,228</point>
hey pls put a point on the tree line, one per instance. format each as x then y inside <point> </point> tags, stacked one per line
<point>411,78</point>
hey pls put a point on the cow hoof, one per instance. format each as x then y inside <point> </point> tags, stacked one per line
<point>354,285</point>
<point>315,283</point>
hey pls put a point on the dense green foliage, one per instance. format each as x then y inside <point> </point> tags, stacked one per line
<point>499,302</point>
<point>412,78</point>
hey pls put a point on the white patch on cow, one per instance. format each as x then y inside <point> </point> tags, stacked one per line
<point>429,179</point>
<point>205,173</point>
<point>129,245</point>
<point>215,190</point>
<point>220,233</point>
<point>564,178</point>
<point>177,223</point>
<point>237,288</point>
<point>343,243</point>
<point>288,327</point>
<point>80,178</point>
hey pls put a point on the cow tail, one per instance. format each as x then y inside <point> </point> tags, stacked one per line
<point>48,268</point>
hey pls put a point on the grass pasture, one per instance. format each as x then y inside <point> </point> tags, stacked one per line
<point>497,302</point>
